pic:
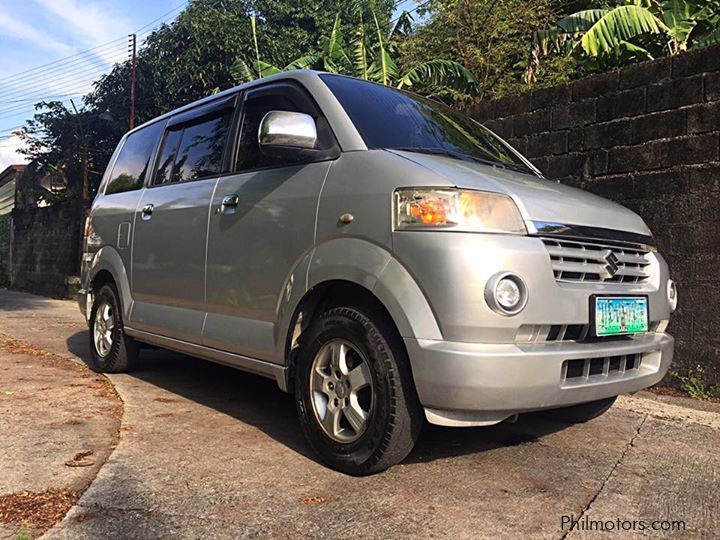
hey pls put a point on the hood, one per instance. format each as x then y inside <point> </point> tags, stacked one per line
<point>538,199</point>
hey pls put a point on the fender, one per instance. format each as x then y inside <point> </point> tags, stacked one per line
<point>107,258</point>
<point>370,266</point>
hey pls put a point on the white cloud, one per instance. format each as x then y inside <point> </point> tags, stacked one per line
<point>90,22</point>
<point>9,154</point>
<point>12,27</point>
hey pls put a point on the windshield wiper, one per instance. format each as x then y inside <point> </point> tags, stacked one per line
<point>464,157</point>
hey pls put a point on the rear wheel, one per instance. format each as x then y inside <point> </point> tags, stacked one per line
<point>111,350</point>
<point>577,414</point>
<point>354,391</point>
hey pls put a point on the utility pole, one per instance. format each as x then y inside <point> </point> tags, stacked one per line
<point>132,47</point>
<point>84,188</point>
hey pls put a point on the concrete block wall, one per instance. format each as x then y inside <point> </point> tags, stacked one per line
<point>46,248</point>
<point>648,137</point>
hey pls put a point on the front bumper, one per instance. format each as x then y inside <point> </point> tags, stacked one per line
<point>465,384</point>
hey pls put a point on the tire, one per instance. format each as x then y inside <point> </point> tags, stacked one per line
<point>117,353</point>
<point>393,414</point>
<point>578,414</point>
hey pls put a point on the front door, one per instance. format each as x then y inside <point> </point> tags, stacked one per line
<point>168,260</point>
<point>255,242</point>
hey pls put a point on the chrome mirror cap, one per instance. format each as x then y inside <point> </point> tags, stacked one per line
<point>288,129</point>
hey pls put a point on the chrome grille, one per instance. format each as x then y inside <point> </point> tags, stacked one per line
<point>579,333</point>
<point>583,261</point>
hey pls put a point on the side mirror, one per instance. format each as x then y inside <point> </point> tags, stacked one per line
<point>283,132</point>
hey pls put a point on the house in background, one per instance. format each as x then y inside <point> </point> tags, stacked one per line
<point>8,181</point>
<point>11,194</point>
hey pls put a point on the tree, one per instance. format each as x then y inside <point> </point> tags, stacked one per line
<point>489,37</point>
<point>292,28</point>
<point>179,63</point>
<point>627,31</point>
<point>370,55</point>
<point>65,143</point>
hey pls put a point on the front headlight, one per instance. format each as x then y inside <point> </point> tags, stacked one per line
<point>457,209</point>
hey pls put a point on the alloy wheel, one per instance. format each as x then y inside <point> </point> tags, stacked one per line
<point>342,390</point>
<point>103,329</point>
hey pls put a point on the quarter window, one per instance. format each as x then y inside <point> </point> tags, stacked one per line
<point>131,165</point>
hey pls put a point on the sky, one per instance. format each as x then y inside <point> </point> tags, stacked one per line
<point>36,34</point>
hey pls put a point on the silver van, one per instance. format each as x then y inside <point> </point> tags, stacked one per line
<point>383,257</point>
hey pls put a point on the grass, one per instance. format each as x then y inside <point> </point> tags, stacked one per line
<point>695,383</point>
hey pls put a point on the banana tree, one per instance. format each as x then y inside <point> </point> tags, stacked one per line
<point>631,30</point>
<point>369,55</point>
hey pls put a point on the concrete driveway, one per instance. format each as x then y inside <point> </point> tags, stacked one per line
<point>206,451</point>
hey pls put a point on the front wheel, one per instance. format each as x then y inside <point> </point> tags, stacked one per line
<point>354,391</point>
<point>577,414</point>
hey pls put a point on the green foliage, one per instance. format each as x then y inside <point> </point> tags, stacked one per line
<point>178,63</point>
<point>370,55</point>
<point>611,34</point>
<point>694,383</point>
<point>60,141</point>
<point>22,534</point>
<point>488,37</point>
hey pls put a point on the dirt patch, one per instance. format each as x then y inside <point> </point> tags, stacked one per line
<point>36,510</point>
<point>17,346</point>
<point>60,422</point>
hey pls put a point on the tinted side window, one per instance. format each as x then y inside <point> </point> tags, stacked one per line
<point>166,160</point>
<point>249,154</point>
<point>134,160</point>
<point>202,148</point>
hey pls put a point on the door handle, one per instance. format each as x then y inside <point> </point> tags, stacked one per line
<point>147,211</point>
<point>231,201</point>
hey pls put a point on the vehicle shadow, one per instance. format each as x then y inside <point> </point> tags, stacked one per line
<point>258,401</point>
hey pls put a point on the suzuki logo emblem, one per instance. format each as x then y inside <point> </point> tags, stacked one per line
<point>613,264</point>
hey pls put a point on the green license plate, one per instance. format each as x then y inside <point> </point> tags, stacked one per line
<point>615,315</point>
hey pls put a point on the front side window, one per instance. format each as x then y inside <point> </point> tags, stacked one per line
<point>249,154</point>
<point>134,159</point>
<point>392,119</point>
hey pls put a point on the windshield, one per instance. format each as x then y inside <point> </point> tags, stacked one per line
<point>392,119</point>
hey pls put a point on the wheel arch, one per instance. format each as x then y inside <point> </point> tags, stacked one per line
<point>352,271</point>
<point>108,267</point>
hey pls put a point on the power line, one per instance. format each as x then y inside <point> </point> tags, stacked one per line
<point>86,65</point>
<point>61,60</point>
<point>60,68</point>
<point>70,76</point>
<point>94,51</point>
<point>139,30</point>
<point>413,10</point>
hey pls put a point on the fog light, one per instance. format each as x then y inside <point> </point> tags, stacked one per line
<point>672,294</point>
<point>506,294</point>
